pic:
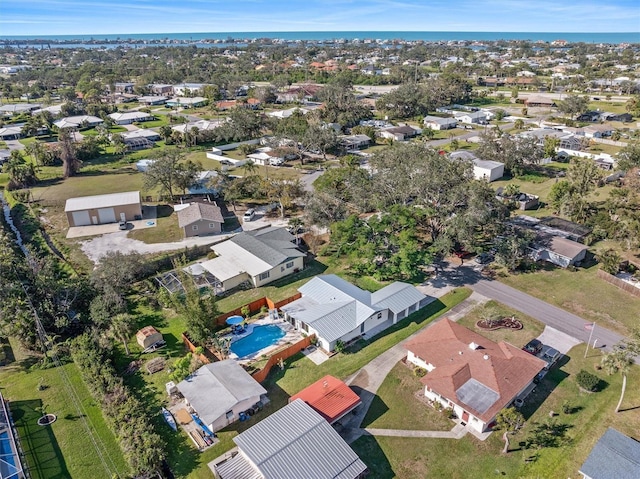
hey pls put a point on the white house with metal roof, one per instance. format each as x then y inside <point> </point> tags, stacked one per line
<point>128,117</point>
<point>78,121</point>
<point>219,392</point>
<point>482,169</point>
<point>335,310</point>
<point>258,256</point>
<point>292,443</point>
<point>101,209</point>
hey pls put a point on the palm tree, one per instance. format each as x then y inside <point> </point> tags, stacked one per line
<point>620,359</point>
<point>519,124</point>
<point>250,167</point>
<point>121,328</point>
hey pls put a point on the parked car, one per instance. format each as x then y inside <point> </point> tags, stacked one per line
<point>550,355</point>
<point>533,347</point>
<point>249,215</point>
<point>483,258</point>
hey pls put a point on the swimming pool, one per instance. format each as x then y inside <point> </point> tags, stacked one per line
<point>7,457</point>
<point>261,337</point>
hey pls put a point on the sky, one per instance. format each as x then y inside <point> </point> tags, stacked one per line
<point>93,17</point>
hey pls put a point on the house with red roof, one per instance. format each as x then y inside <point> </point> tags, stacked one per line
<point>472,375</point>
<point>330,397</point>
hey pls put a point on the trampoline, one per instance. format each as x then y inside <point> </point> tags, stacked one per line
<point>234,320</point>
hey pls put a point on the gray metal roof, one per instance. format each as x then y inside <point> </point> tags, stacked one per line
<point>215,388</point>
<point>102,201</point>
<point>396,297</point>
<point>488,164</point>
<point>296,442</point>
<point>238,467</point>
<point>476,395</point>
<point>615,456</point>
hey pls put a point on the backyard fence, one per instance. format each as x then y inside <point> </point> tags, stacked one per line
<point>192,348</point>
<point>256,306</point>
<point>609,278</point>
<point>282,354</point>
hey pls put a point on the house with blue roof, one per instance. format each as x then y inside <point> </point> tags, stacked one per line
<point>615,456</point>
<point>335,310</point>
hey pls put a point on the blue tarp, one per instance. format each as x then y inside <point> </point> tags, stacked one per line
<point>231,320</point>
<point>199,422</point>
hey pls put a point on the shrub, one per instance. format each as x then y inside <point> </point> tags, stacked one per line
<point>419,372</point>
<point>587,381</point>
<point>340,346</point>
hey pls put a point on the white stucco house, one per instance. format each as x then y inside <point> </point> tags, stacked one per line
<point>335,310</point>
<point>470,374</point>
<point>560,251</point>
<point>219,392</point>
<point>439,123</point>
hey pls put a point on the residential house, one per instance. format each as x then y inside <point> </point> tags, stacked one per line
<point>219,392</point>
<point>329,397</point>
<point>475,117</point>
<point>438,123</point>
<point>398,133</point>
<point>201,125</point>
<point>292,443</point>
<point>258,257</point>
<point>560,251</point>
<point>598,131</point>
<point>10,132</point>
<point>470,374</point>
<point>335,310</point>
<point>299,93</point>
<point>78,122</point>
<point>590,116</point>
<point>524,201</point>
<point>126,118</point>
<point>614,456</point>
<point>124,87</point>
<point>200,219</point>
<point>11,109</point>
<point>487,170</point>
<point>101,209</point>
<point>353,142</point>
<point>623,117</point>
<point>161,89</point>
<point>203,184</point>
<point>137,143</point>
<point>184,102</point>
<point>539,101</point>
<point>280,114</point>
<point>266,156</point>
<point>151,100</point>
<point>186,89</point>
<point>147,133</point>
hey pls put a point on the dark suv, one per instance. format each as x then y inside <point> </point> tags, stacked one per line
<point>533,347</point>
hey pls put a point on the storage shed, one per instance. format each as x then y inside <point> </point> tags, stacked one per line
<point>148,336</point>
<point>101,209</point>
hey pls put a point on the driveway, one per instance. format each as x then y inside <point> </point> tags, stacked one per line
<point>14,145</point>
<point>558,340</point>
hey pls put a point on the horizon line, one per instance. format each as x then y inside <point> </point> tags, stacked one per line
<point>313,31</point>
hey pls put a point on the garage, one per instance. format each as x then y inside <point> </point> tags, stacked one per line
<point>81,218</point>
<point>107,215</point>
<point>103,209</point>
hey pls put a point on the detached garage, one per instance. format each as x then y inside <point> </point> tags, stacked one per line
<point>101,209</point>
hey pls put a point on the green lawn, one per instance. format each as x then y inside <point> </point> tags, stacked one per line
<point>397,407</point>
<point>165,231</point>
<point>591,414</point>
<point>63,449</point>
<point>531,327</point>
<point>581,293</point>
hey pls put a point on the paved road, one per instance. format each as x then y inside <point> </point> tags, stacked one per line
<point>548,314</point>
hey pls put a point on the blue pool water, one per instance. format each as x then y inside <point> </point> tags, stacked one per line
<point>6,454</point>
<point>261,337</point>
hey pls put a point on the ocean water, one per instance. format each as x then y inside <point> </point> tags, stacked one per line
<point>587,37</point>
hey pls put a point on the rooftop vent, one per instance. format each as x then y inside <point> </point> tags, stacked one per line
<point>473,346</point>
<point>486,356</point>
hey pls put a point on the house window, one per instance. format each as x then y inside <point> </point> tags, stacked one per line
<point>380,315</point>
<point>305,327</point>
<point>194,227</point>
<point>263,276</point>
<point>212,225</point>
<point>229,415</point>
<point>289,264</point>
<point>281,269</point>
<point>362,328</point>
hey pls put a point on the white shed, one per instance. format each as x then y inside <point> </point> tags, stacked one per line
<point>487,170</point>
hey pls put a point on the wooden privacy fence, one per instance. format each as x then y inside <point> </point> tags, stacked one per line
<point>256,306</point>
<point>629,288</point>
<point>282,354</point>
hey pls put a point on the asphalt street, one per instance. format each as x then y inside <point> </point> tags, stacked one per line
<point>544,312</point>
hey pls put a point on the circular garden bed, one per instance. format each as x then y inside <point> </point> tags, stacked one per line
<point>510,323</point>
<point>47,419</point>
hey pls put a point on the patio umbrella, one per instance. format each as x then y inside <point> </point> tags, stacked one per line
<point>232,320</point>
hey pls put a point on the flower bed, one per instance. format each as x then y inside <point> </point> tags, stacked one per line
<point>510,323</point>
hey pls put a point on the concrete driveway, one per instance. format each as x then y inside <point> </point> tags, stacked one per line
<point>14,145</point>
<point>558,340</point>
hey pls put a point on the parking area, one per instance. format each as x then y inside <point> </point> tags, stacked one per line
<point>557,340</point>
<point>148,221</point>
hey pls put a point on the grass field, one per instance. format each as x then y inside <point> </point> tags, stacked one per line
<point>581,293</point>
<point>63,449</point>
<point>589,417</point>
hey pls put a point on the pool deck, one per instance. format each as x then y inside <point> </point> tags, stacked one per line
<point>291,336</point>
